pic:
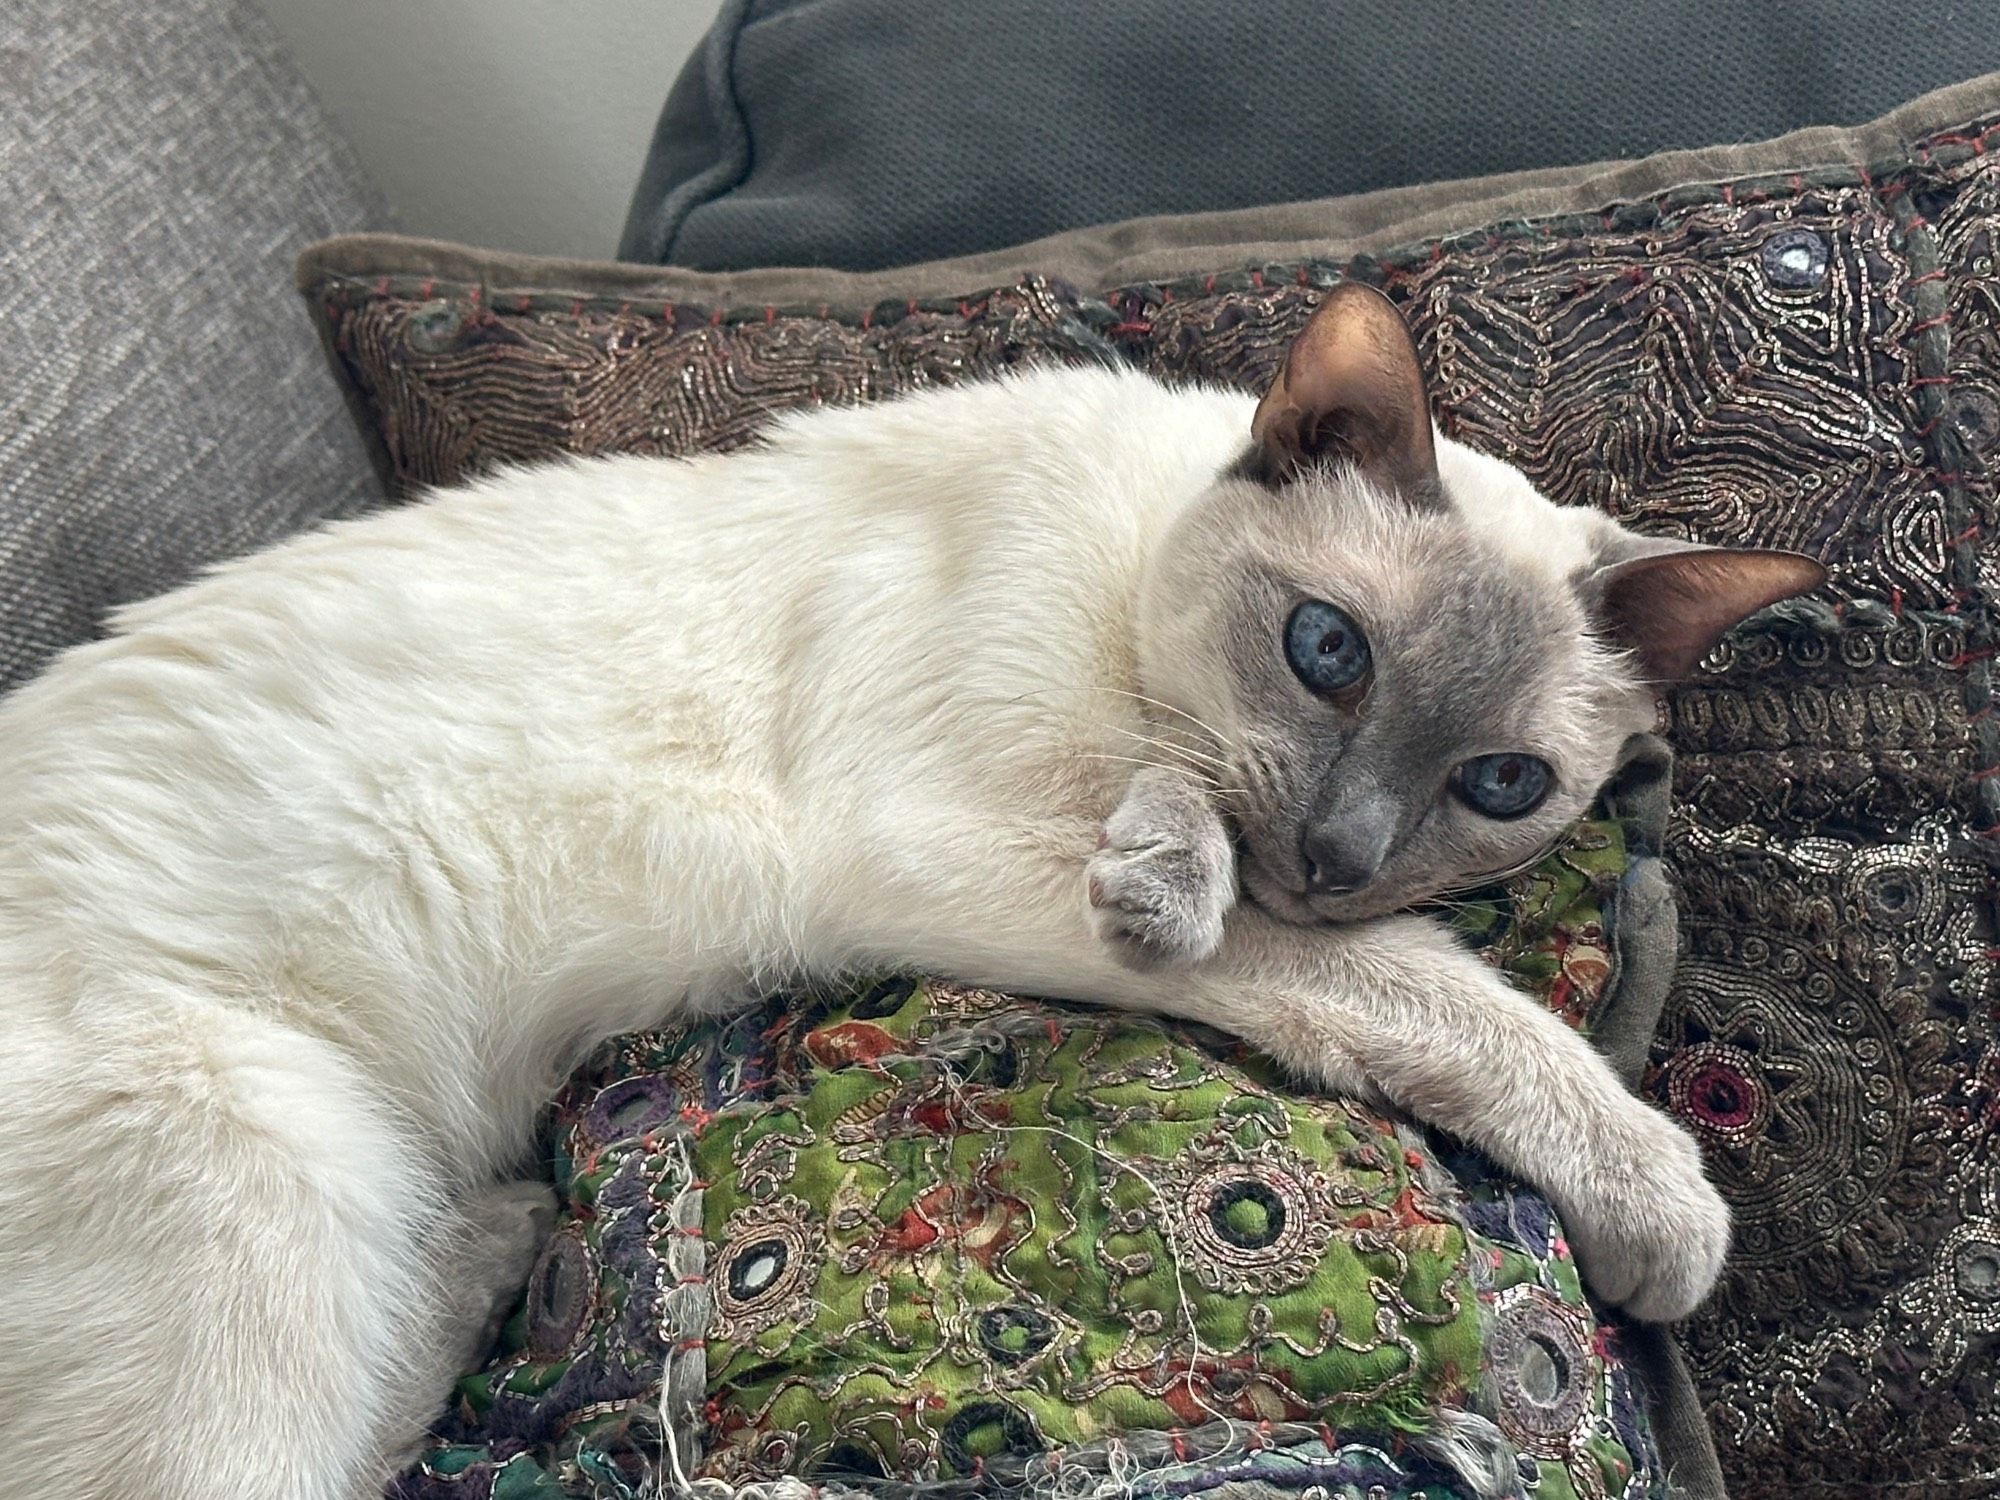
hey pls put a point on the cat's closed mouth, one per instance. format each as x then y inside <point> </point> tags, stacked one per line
<point>1260,888</point>
<point>1269,894</point>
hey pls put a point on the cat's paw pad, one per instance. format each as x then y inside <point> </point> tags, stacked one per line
<point>1653,1237</point>
<point>1159,887</point>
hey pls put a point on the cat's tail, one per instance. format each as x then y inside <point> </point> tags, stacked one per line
<point>207,1269</point>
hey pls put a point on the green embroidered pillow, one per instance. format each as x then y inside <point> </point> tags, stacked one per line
<point>921,1234</point>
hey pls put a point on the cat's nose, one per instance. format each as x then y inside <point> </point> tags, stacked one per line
<point>1343,851</point>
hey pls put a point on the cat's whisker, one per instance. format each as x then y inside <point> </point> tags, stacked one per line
<point>1130,760</point>
<point>1200,723</point>
<point>1185,769</point>
<point>1135,760</point>
<point>1496,877</point>
<point>1450,905</point>
<point>1174,748</point>
<point>1181,746</point>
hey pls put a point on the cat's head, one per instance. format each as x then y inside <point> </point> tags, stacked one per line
<point>1417,670</point>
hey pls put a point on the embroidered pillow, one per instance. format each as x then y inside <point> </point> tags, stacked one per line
<point>1789,344</point>
<point>915,1233</point>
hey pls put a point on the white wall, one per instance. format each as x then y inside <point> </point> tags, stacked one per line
<point>511,124</point>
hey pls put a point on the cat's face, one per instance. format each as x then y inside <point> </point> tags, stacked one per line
<point>1417,671</point>
<point>1405,706</point>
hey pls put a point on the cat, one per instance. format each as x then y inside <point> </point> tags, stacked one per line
<point>317,875</point>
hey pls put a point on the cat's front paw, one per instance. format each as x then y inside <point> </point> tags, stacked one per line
<point>1161,881</point>
<point>1651,1234</point>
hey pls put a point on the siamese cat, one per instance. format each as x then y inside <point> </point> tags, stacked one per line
<point>318,875</point>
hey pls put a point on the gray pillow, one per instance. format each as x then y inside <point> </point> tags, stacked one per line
<point>163,400</point>
<point>868,133</point>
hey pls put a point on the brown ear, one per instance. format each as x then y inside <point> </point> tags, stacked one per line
<point>1350,389</point>
<point>1670,609</point>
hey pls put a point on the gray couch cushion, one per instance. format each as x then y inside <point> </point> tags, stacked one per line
<point>163,400</point>
<point>870,133</point>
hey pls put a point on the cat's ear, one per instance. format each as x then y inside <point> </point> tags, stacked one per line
<point>1351,389</point>
<point>1669,603</point>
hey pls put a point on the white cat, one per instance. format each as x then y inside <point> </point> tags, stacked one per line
<point>318,875</point>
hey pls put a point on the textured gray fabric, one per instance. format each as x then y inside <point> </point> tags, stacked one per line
<point>867,133</point>
<point>163,399</point>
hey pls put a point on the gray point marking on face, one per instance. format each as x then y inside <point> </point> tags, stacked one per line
<point>1487,612</point>
<point>1472,656</point>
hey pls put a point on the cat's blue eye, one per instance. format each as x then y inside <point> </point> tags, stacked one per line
<point>1503,786</point>
<point>1326,649</point>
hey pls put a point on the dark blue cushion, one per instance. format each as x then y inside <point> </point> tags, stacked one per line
<point>869,133</point>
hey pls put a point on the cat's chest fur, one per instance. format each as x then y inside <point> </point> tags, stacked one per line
<point>460,786</point>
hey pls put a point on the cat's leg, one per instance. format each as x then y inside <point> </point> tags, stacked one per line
<point>211,1265</point>
<point>1164,874</point>
<point>1398,1008</point>
<point>481,1257</point>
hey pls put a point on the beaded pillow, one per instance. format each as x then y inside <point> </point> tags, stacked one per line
<point>915,1232</point>
<point>1790,344</point>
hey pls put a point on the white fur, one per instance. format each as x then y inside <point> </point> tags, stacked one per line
<point>319,874</point>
